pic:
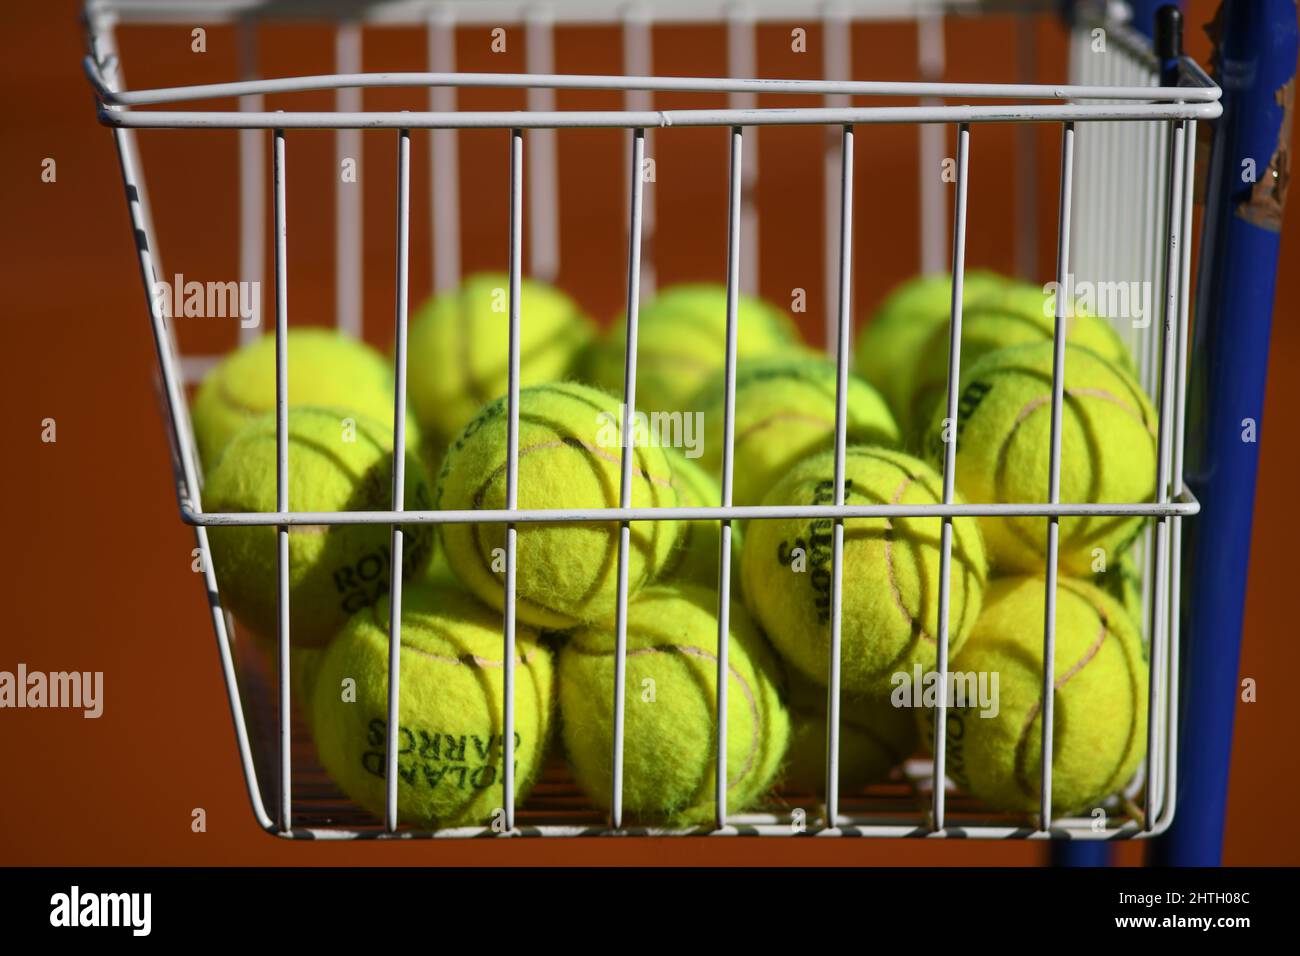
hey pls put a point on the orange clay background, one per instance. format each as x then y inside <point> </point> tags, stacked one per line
<point>97,567</point>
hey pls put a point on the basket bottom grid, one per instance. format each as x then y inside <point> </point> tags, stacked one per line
<point>558,805</point>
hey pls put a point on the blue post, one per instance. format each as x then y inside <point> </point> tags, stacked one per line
<point>1144,14</point>
<point>1255,59</point>
<point>1080,853</point>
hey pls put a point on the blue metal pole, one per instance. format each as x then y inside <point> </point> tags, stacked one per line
<point>1144,14</point>
<point>1255,61</point>
<point>1080,853</point>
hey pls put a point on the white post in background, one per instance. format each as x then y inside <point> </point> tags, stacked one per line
<point>933,141</point>
<point>742,62</point>
<point>838,65</point>
<point>1026,160</point>
<point>637,61</point>
<point>444,166</point>
<point>348,223</point>
<point>252,184</point>
<point>543,173</point>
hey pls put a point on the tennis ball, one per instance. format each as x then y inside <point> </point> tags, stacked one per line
<point>1100,699</point>
<point>670,729</point>
<point>304,664</point>
<point>569,457</point>
<point>1108,451</point>
<point>324,367</point>
<point>1122,580</point>
<point>1015,314</point>
<point>459,347</point>
<point>696,556</point>
<point>336,463</point>
<point>450,712</point>
<point>682,340</point>
<point>875,737</point>
<point>890,603</point>
<point>891,343</point>
<point>784,412</point>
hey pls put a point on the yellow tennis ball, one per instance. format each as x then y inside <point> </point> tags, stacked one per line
<point>451,717</point>
<point>875,737</point>
<point>785,411</point>
<point>890,604</point>
<point>459,347</point>
<point>336,463</point>
<point>682,340</point>
<point>670,731</point>
<point>1015,314</point>
<point>890,345</point>
<point>1100,699</point>
<point>569,457</point>
<point>1122,580</point>
<point>698,554</point>
<point>1108,451</point>
<point>324,367</point>
<point>304,664</point>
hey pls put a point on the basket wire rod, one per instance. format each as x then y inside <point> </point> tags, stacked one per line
<point>1125,204</point>
<point>1079,74</point>
<point>1133,179</point>
<point>444,159</point>
<point>348,195</point>
<point>1121,182</point>
<point>1140,139</point>
<point>1168,383</point>
<point>930,55</point>
<point>543,174</point>
<point>1186,505</point>
<point>753,824</point>
<point>1109,200</point>
<point>512,475</point>
<point>399,473</point>
<point>638,61</point>
<point>735,240</point>
<point>625,468</point>
<point>950,468</point>
<point>742,61</point>
<point>1151,354</point>
<point>1154,596</point>
<point>103,49</point>
<point>282,473</point>
<point>1088,174</point>
<point>1176,489</point>
<point>1104,198</point>
<point>1060,327</point>
<point>1140,337</point>
<point>252,182</point>
<point>841,338</point>
<point>1026,161</point>
<point>1082,88</point>
<point>653,119</point>
<point>837,64</point>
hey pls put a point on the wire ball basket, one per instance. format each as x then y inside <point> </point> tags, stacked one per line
<point>1127,137</point>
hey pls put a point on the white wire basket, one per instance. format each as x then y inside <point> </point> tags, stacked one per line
<point>1124,214</point>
